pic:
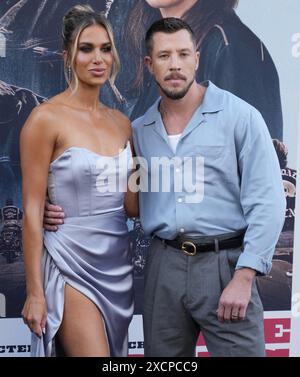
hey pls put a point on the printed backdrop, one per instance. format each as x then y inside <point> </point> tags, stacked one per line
<point>31,71</point>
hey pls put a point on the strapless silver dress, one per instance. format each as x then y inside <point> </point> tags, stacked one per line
<point>90,251</point>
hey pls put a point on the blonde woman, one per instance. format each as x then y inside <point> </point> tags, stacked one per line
<point>79,279</point>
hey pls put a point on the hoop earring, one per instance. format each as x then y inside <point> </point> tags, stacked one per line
<point>69,74</point>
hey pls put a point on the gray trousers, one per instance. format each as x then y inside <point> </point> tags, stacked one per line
<point>180,301</point>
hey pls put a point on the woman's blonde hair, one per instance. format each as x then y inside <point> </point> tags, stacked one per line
<point>75,21</point>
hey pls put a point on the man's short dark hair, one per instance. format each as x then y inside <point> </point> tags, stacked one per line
<point>167,25</point>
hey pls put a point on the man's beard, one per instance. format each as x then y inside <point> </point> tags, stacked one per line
<point>173,94</point>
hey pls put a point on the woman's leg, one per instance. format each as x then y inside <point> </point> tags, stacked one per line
<point>82,331</point>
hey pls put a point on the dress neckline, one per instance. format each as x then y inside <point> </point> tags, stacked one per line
<point>90,151</point>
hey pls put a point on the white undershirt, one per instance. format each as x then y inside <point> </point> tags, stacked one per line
<point>173,141</point>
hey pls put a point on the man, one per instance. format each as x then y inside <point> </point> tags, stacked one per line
<point>232,55</point>
<point>211,238</point>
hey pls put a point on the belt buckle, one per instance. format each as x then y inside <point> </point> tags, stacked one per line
<point>189,244</point>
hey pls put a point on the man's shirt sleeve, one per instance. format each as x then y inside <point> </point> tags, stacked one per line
<point>262,194</point>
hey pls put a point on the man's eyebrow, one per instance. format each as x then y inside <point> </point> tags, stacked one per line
<point>186,49</point>
<point>162,51</point>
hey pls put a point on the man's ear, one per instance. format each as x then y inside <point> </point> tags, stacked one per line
<point>197,60</point>
<point>148,62</point>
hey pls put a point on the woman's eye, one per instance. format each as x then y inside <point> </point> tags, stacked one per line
<point>85,49</point>
<point>106,49</point>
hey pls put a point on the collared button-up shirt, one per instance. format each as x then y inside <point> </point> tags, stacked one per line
<point>224,176</point>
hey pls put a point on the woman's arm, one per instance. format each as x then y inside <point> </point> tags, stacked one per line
<point>131,204</point>
<point>131,197</point>
<point>37,143</point>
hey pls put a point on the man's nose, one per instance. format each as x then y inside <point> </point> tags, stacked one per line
<point>174,64</point>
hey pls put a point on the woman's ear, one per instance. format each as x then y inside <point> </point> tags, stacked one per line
<point>65,56</point>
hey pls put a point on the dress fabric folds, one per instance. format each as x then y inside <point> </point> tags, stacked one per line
<point>90,251</point>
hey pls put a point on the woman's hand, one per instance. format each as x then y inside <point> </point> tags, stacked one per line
<point>34,314</point>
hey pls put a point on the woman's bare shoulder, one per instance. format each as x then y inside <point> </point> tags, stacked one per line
<point>42,119</point>
<point>47,114</point>
<point>121,120</point>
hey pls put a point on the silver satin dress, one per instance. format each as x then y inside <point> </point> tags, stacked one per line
<point>90,250</point>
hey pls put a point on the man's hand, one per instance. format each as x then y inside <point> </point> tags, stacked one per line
<point>235,298</point>
<point>53,216</point>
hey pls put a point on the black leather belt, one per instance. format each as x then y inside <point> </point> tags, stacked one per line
<point>191,244</point>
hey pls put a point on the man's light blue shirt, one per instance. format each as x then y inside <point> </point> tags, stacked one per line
<point>236,176</point>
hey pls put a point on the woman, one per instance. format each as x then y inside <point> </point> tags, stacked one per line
<point>39,46</point>
<point>232,56</point>
<point>75,146</point>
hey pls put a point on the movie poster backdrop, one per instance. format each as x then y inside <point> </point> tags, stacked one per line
<point>253,52</point>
